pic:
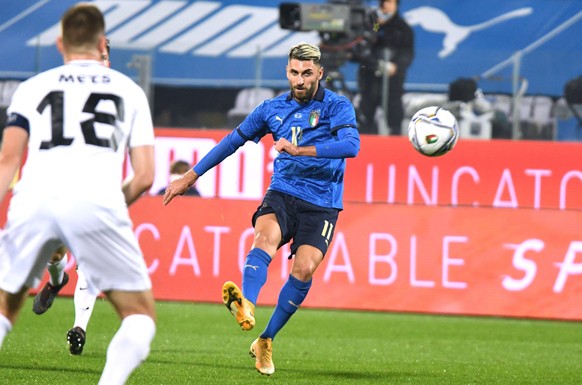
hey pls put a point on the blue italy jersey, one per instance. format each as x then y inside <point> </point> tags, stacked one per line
<point>318,180</point>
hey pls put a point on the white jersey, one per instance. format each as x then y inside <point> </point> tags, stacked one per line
<point>82,116</point>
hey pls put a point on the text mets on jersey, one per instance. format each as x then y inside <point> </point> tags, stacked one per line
<point>95,79</point>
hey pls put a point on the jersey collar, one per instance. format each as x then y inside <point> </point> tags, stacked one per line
<point>319,93</point>
<point>83,62</point>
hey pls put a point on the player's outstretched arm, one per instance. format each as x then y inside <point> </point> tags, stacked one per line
<point>180,186</point>
<point>226,147</point>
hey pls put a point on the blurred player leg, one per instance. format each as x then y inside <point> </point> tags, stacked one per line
<point>130,346</point>
<point>10,306</point>
<point>5,327</point>
<point>56,266</point>
<point>84,300</point>
<point>58,279</point>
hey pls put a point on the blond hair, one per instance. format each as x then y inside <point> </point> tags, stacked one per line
<point>305,51</point>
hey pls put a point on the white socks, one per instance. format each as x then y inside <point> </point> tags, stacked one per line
<point>128,348</point>
<point>5,327</point>
<point>57,270</point>
<point>84,301</point>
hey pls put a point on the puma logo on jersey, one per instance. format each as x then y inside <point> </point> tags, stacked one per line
<point>279,119</point>
<point>253,267</point>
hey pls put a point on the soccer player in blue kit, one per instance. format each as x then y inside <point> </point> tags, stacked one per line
<point>314,131</point>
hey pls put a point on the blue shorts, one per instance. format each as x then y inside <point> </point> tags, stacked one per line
<point>300,221</point>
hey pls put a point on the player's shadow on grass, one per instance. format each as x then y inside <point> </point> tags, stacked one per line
<point>375,375</point>
<point>282,371</point>
<point>27,367</point>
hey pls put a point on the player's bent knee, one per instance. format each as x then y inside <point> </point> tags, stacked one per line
<point>303,270</point>
<point>267,244</point>
<point>303,275</point>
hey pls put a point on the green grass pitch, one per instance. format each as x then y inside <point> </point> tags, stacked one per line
<point>201,344</point>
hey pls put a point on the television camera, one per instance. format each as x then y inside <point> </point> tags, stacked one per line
<point>346,29</point>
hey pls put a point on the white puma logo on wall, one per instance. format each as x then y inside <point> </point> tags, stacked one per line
<point>436,21</point>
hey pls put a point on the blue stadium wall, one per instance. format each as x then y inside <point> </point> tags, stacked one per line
<point>239,43</point>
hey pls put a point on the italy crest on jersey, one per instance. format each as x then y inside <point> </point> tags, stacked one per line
<point>314,118</point>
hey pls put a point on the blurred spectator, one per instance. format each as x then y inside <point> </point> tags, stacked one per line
<point>7,88</point>
<point>394,35</point>
<point>177,169</point>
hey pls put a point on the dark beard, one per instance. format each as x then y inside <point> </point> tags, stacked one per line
<point>304,99</point>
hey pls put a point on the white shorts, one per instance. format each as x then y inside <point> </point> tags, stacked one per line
<point>100,238</point>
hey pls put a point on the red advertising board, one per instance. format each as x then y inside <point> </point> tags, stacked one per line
<point>477,173</point>
<point>492,228</point>
<point>463,260</point>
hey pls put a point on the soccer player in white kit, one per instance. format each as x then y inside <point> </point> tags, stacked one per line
<point>78,121</point>
<point>84,298</point>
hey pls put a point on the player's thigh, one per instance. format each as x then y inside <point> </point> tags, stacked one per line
<point>107,251</point>
<point>132,302</point>
<point>11,303</point>
<point>267,233</point>
<point>27,242</point>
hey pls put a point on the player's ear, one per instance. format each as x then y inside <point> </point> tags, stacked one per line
<point>60,44</point>
<point>102,44</point>
<point>320,73</point>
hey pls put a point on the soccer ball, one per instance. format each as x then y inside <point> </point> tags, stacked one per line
<point>433,131</point>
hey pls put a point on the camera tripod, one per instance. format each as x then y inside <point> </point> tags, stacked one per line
<point>334,81</point>
<point>332,58</point>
